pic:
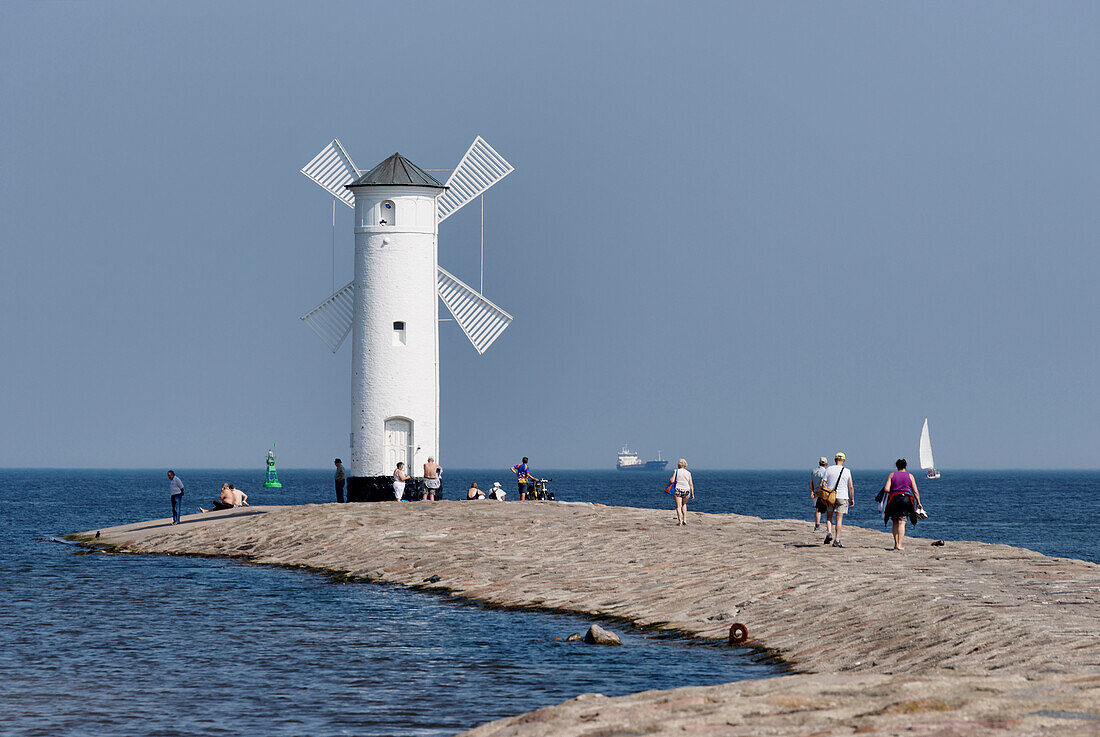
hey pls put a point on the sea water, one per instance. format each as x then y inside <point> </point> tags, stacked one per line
<point>135,645</point>
<point>92,643</point>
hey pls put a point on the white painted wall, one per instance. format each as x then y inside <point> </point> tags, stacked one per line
<point>395,280</point>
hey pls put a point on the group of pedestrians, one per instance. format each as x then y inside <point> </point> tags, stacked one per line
<point>834,494</point>
<point>432,481</point>
<point>831,488</point>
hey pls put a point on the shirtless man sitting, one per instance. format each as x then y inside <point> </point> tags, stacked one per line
<point>431,480</point>
<point>240,499</point>
<point>226,500</point>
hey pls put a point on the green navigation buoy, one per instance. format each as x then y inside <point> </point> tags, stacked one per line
<point>272,480</point>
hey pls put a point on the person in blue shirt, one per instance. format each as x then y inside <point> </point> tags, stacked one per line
<point>523,478</point>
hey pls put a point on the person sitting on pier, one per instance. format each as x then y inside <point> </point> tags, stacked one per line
<point>240,499</point>
<point>474,492</point>
<point>226,500</point>
<point>497,492</point>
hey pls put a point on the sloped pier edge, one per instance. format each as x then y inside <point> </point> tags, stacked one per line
<point>930,625</point>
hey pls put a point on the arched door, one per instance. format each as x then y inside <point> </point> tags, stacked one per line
<point>399,437</point>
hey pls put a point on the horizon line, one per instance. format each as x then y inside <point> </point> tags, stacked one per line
<point>551,469</point>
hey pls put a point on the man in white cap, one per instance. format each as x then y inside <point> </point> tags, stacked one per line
<point>496,492</point>
<point>839,478</point>
<point>815,481</point>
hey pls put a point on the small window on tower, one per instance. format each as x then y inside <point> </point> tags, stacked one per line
<point>389,213</point>
<point>399,333</point>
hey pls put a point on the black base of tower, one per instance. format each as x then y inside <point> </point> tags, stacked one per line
<point>380,489</point>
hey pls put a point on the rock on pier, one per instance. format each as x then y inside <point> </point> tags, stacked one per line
<point>968,638</point>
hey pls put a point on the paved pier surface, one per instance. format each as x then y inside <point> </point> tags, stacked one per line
<point>968,638</point>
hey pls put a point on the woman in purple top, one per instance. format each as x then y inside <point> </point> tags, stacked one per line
<point>902,500</point>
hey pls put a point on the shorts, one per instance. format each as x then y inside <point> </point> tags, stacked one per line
<point>900,507</point>
<point>841,506</point>
<point>682,492</point>
<point>821,506</point>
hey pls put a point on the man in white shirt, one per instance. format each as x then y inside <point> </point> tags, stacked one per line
<point>838,477</point>
<point>175,490</point>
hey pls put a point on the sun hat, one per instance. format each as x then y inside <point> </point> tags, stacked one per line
<point>496,484</point>
<point>822,460</point>
<point>839,456</point>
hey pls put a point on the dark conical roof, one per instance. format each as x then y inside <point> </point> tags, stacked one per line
<point>396,171</point>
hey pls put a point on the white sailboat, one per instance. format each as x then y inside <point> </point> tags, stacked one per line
<point>926,461</point>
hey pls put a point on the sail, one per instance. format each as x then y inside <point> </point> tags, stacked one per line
<point>926,447</point>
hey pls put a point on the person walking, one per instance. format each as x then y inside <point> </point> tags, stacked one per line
<point>838,478</point>
<point>902,500</point>
<point>175,491</point>
<point>341,477</point>
<point>683,490</point>
<point>399,479</point>
<point>820,507</point>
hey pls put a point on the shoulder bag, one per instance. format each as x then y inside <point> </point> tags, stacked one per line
<point>672,484</point>
<point>826,494</point>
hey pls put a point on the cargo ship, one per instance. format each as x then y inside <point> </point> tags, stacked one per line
<point>629,461</point>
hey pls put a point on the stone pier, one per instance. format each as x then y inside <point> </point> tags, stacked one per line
<point>967,638</point>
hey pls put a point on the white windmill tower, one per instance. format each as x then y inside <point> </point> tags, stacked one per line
<point>390,307</point>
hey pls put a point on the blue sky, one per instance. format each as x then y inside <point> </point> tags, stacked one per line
<point>746,234</point>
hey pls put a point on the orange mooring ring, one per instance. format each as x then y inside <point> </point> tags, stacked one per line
<point>738,633</point>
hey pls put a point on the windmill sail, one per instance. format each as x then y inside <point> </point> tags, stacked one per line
<point>331,320</point>
<point>926,447</point>
<point>480,168</point>
<point>480,319</point>
<point>332,169</point>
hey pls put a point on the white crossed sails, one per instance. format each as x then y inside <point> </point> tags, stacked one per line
<point>479,169</point>
<point>480,319</point>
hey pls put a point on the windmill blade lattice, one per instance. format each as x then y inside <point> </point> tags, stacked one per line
<point>331,320</point>
<point>332,169</point>
<point>480,168</point>
<point>480,319</point>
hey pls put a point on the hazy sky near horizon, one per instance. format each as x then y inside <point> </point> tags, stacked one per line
<point>748,234</point>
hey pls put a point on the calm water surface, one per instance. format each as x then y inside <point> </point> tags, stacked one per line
<point>143,645</point>
<point>159,645</point>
